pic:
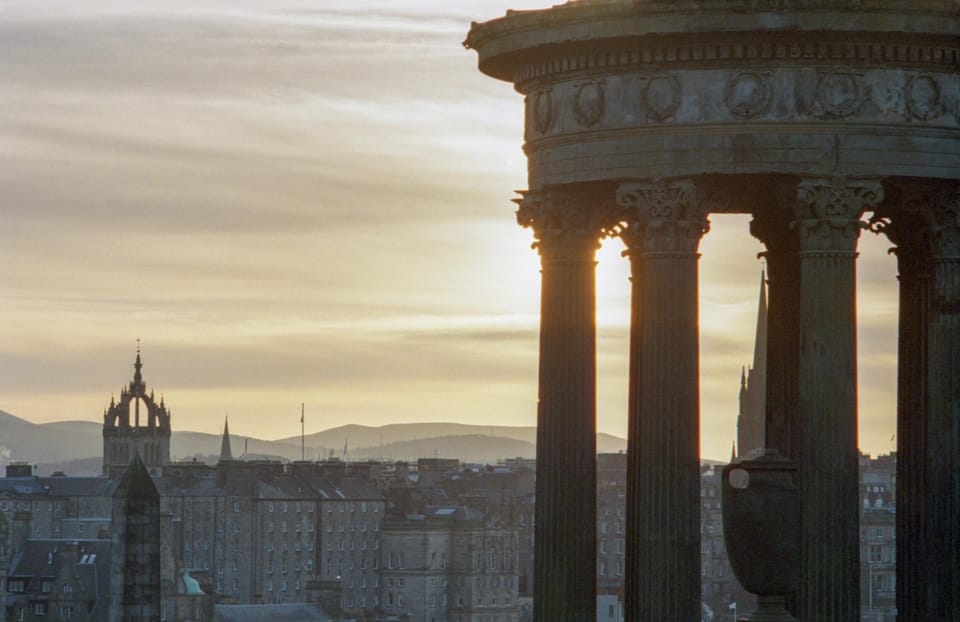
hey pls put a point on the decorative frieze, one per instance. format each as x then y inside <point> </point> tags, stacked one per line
<point>787,96</point>
<point>662,216</point>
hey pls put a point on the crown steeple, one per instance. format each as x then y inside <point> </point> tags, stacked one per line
<point>137,366</point>
<point>126,433</point>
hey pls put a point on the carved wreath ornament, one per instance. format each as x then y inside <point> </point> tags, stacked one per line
<point>588,103</point>
<point>749,94</point>
<point>661,97</point>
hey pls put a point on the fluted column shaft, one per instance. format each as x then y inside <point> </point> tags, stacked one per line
<point>943,439</point>
<point>665,225</point>
<point>904,218</point>
<point>772,227</point>
<point>568,229</point>
<point>828,224</point>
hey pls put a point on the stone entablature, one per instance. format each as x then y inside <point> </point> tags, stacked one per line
<point>650,90</point>
<point>498,40</point>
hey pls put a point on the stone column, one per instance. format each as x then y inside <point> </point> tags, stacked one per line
<point>568,226</point>
<point>665,225</point>
<point>771,225</point>
<point>828,224</point>
<point>904,218</point>
<point>943,382</point>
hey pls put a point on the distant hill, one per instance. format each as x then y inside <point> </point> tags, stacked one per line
<point>75,446</point>
<point>361,436</point>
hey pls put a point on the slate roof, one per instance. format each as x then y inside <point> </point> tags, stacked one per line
<point>57,486</point>
<point>44,559</point>
<point>357,488</point>
<point>294,612</point>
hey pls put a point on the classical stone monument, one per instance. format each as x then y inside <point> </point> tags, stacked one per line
<point>819,118</point>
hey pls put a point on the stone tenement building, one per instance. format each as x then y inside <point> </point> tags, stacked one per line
<point>450,564</point>
<point>818,118</point>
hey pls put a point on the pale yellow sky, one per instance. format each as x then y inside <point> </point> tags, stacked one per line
<point>295,202</point>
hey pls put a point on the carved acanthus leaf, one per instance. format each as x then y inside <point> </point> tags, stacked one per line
<point>828,212</point>
<point>662,216</point>
<point>568,225</point>
<point>945,226</point>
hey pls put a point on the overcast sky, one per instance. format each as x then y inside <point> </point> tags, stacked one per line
<point>294,201</point>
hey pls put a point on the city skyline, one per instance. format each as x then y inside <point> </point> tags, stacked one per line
<point>297,205</point>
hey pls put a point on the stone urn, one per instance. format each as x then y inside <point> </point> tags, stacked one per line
<point>761,529</point>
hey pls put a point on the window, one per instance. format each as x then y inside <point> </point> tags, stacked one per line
<point>236,508</point>
<point>284,507</point>
<point>39,609</point>
<point>66,612</point>
<point>46,585</point>
<point>270,507</point>
<point>16,586</point>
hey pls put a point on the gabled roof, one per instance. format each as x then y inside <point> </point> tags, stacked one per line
<point>45,559</point>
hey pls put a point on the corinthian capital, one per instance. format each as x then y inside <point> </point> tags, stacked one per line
<point>662,216</point>
<point>945,223</point>
<point>568,223</point>
<point>828,212</point>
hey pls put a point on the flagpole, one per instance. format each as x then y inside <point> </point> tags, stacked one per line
<point>302,437</point>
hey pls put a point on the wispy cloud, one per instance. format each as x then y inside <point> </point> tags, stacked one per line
<point>295,202</point>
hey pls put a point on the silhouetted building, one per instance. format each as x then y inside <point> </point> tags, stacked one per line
<point>126,436</point>
<point>135,548</point>
<point>751,424</point>
<point>226,455</point>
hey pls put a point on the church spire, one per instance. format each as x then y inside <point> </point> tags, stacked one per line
<point>225,454</point>
<point>137,366</point>
<point>760,340</point>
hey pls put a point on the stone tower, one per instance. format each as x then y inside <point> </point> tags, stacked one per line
<point>123,439</point>
<point>751,426</point>
<point>135,548</point>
